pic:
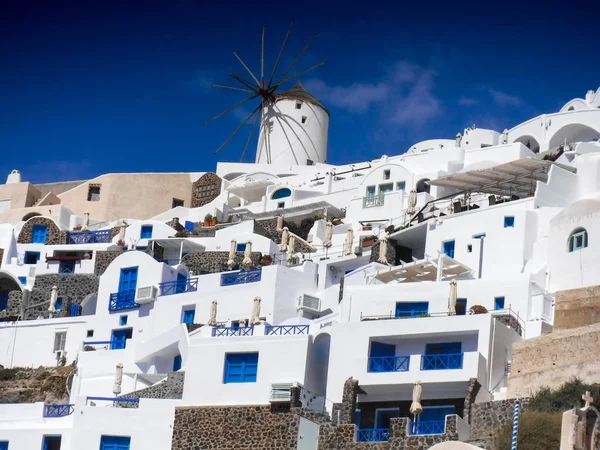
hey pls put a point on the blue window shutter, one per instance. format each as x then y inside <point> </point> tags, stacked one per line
<point>146,232</point>
<point>3,307</point>
<point>240,247</point>
<point>188,316</point>
<point>4,445</point>
<point>449,248</point>
<point>74,309</point>
<point>58,306</point>
<point>123,321</point>
<point>241,368</point>
<point>38,234</point>
<point>499,303</point>
<point>115,442</point>
<point>119,339</point>
<point>176,363</point>
<point>509,222</point>
<point>128,280</point>
<point>189,225</point>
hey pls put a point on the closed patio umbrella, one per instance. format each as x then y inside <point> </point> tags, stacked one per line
<point>452,298</point>
<point>328,235</point>
<point>247,262</point>
<point>231,259</point>
<point>279,223</point>
<point>212,321</point>
<point>412,201</point>
<point>292,248</point>
<point>118,379</point>
<point>415,407</point>
<point>53,299</point>
<point>122,232</point>
<point>348,242</point>
<point>86,221</point>
<point>255,318</point>
<point>284,240</point>
<point>383,248</point>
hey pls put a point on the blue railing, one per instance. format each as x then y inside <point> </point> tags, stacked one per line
<point>90,237</point>
<point>114,399</point>
<point>389,363</point>
<point>66,267</point>
<point>58,410</point>
<point>373,435</point>
<point>442,362</point>
<point>241,277</point>
<point>286,330</point>
<point>122,300</point>
<point>232,331</point>
<point>179,286</point>
<point>428,427</point>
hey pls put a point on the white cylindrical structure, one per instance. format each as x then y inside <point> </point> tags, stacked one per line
<point>294,130</point>
<point>348,242</point>
<point>118,379</point>
<point>291,248</point>
<point>247,255</point>
<point>328,235</point>
<point>415,406</point>
<point>383,248</point>
<point>231,259</point>
<point>86,221</point>
<point>255,318</point>
<point>212,321</point>
<point>452,297</point>
<point>285,235</point>
<point>53,299</point>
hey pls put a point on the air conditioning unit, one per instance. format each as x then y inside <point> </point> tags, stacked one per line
<point>281,392</point>
<point>309,303</point>
<point>146,294</point>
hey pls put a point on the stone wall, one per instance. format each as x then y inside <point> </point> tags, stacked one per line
<point>577,308</point>
<point>1,255</point>
<point>72,288</point>
<point>488,417</point>
<point>15,297</point>
<point>390,256</point>
<point>171,388</point>
<point>176,225</point>
<point>103,260</point>
<point>215,262</point>
<point>551,360</point>
<point>27,385</point>
<point>472,391</point>
<point>54,235</point>
<point>205,189</point>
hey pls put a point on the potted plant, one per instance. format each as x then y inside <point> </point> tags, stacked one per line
<point>478,309</point>
<point>207,220</point>
<point>367,227</point>
<point>368,241</point>
<point>77,228</point>
<point>266,260</point>
<point>213,221</point>
<point>120,245</point>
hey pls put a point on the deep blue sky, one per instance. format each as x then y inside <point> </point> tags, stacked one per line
<point>90,87</point>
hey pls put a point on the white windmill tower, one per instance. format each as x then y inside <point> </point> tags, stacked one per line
<point>293,124</point>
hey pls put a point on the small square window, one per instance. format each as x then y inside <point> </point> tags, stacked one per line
<point>58,306</point>
<point>240,368</point>
<point>188,315</point>
<point>176,203</point>
<point>90,333</point>
<point>469,248</point>
<point>370,191</point>
<point>401,186</point>
<point>32,257</point>
<point>94,193</point>
<point>386,174</point>
<point>509,221</point>
<point>123,321</point>
<point>280,205</point>
<point>303,119</point>
<point>23,280</point>
<point>298,105</point>
<point>240,247</point>
<point>146,232</point>
<point>499,303</point>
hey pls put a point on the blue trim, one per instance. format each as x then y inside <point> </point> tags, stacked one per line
<point>240,368</point>
<point>122,300</point>
<point>122,321</point>
<point>240,247</point>
<point>58,410</point>
<point>146,232</point>
<point>176,363</point>
<point>3,301</point>
<point>447,361</point>
<point>509,221</point>
<point>380,364</point>
<point>411,309</point>
<point>427,427</point>
<point>232,331</point>
<point>179,286</point>
<point>286,330</point>
<point>90,237</point>
<point>39,234</point>
<point>241,277</point>
<point>478,236</point>
<point>373,435</point>
<point>188,316</point>
<point>281,193</point>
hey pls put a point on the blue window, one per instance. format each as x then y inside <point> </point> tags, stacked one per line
<point>39,233</point>
<point>449,248</point>
<point>401,186</point>
<point>3,302</point>
<point>66,267</point>
<point>123,321</point>
<point>74,309</point>
<point>281,193</point>
<point>32,257</point>
<point>189,225</point>
<point>146,232</point>
<point>509,221</point>
<point>370,191</point>
<point>188,316</point>
<point>128,279</point>
<point>58,306</point>
<point>23,280</point>
<point>3,445</point>
<point>411,309</point>
<point>119,338</point>
<point>461,306</point>
<point>499,303</point>
<point>578,239</point>
<point>240,247</point>
<point>240,368</point>
<point>115,442</point>
<point>51,443</point>
<point>176,363</point>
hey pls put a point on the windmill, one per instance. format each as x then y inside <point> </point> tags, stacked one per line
<point>266,93</point>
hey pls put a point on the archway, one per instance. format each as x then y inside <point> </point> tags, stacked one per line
<point>11,295</point>
<point>424,185</point>
<point>530,142</point>
<point>318,367</point>
<point>574,132</point>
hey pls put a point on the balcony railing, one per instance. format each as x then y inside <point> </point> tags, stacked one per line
<point>58,410</point>
<point>372,201</point>
<point>286,330</point>
<point>122,300</point>
<point>428,427</point>
<point>232,331</point>
<point>179,286</point>
<point>91,346</point>
<point>442,362</point>
<point>66,267</point>
<point>373,435</point>
<point>389,363</point>
<point>117,401</point>
<point>90,237</point>
<point>241,277</point>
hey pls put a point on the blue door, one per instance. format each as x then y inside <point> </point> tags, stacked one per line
<point>38,235</point>
<point>176,363</point>
<point>188,316</point>
<point>449,248</point>
<point>51,443</point>
<point>4,445</point>
<point>181,282</point>
<point>115,442</point>
<point>74,309</point>
<point>119,338</point>
<point>128,280</point>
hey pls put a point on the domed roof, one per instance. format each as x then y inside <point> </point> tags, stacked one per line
<point>298,92</point>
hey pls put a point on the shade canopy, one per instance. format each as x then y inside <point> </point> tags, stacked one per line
<point>328,235</point>
<point>255,317</point>
<point>53,299</point>
<point>425,270</point>
<point>231,258</point>
<point>383,249</point>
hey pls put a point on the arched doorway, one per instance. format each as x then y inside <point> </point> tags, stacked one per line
<point>424,185</point>
<point>530,142</point>
<point>318,366</point>
<point>574,132</point>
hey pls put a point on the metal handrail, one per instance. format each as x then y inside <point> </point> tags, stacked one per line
<point>58,410</point>
<point>373,435</point>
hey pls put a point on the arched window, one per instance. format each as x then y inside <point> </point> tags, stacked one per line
<point>281,193</point>
<point>578,239</point>
<point>424,185</point>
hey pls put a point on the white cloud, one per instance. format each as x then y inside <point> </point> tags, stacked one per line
<point>504,99</point>
<point>404,94</point>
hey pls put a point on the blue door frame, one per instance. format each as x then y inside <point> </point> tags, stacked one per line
<point>115,442</point>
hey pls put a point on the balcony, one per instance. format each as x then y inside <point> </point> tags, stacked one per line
<point>373,201</point>
<point>389,363</point>
<point>448,361</point>
<point>232,331</point>
<point>179,286</point>
<point>286,330</point>
<point>427,427</point>
<point>58,410</point>
<point>122,300</point>
<point>373,435</point>
<point>241,277</point>
<point>90,237</point>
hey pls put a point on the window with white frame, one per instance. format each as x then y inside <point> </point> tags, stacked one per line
<point>578,239</point>
<point>60,339</point>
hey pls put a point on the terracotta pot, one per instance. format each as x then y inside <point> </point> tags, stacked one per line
<point>368,242</point>
<point>213,222</point>
<point>206,223</point>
